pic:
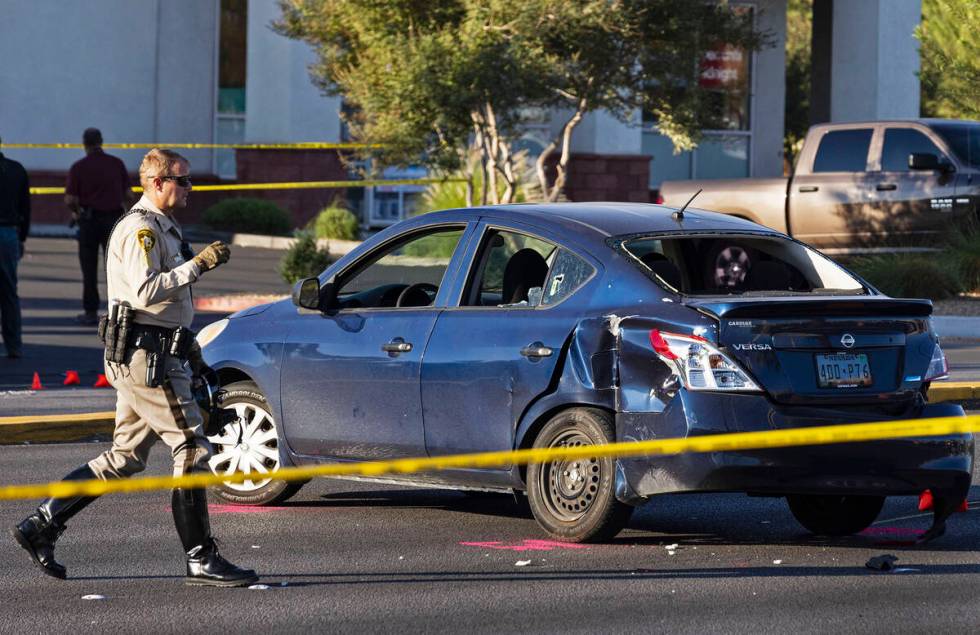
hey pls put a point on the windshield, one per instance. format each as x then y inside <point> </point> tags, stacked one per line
<point>963,139</point>
<point>724,264</point>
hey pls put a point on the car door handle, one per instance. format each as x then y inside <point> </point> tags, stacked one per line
<point>808,188</point>
<point>397,345</point>
<point>886,187</point>
<point>537,349</point>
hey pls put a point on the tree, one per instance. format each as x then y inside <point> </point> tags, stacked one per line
<point>431,80</point>
<point>950,47</point>
<point>799,29</point>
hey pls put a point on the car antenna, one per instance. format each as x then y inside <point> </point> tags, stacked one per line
<point>679,214</point>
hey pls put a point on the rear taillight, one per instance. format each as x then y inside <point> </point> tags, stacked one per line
<point>659,200</point>
<point>700,365</point>
<point>938,368</point>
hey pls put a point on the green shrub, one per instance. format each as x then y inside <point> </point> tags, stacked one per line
<point>965,253</point>
<point>249,216</point>
<point>303,259</point>
<point>903,275</point>
<point>337,223</point>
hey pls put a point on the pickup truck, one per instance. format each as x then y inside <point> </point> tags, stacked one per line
<point>859,187</point>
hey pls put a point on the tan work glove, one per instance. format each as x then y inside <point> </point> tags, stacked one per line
<point>217,253</point>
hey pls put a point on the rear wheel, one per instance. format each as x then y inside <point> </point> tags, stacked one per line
<point>574,500</point>
<point>249,444</point>
<point>832,515</point>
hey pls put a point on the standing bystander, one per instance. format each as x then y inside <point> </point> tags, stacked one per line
<point>96,193</point>
<point>15,221</point>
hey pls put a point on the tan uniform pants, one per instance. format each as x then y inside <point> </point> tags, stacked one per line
<point>142,413</point>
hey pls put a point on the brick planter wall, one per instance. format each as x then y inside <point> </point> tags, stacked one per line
<point>274,166</point>
<point>606,177</point>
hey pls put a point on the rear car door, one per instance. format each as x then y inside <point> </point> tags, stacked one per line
<point>489,357</point>
<point>918,204</point>
<point>350,376</point>
<point>831,203</point>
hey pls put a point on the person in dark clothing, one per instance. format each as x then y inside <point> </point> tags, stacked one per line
<point>97,190</point>
<point>15,222</point>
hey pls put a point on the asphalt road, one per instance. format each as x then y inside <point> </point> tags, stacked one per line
<point>361,557</point>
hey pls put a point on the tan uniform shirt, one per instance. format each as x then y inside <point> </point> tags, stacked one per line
<point>145,268</point>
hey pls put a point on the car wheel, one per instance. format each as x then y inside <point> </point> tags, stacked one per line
<point>830,515</point>
<point>574,500</point>
<point>249,444</point>
<point>729,264</point>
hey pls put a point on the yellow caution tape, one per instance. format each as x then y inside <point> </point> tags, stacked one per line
<point>822,435</point>
<point>296,185</point>
<point>299,145</point>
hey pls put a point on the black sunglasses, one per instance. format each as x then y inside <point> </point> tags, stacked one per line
<point>182,181</point>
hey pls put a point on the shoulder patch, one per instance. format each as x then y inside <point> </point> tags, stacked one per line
<point>147,239</point>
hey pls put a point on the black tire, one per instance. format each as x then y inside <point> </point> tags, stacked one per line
<point>728,263</point>
<point>256,424</point>
<point>575,501</point>
<point>835,515</point>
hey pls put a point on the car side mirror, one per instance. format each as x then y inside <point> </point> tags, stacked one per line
<point>929,161</point>
<point>306,293</point>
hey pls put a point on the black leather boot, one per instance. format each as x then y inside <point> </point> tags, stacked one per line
<point>38,532</point>
<point>205,566</point>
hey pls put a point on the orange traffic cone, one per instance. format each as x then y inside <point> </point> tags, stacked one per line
<point>102,382</point>
<point>36,384</point>
<point>71,378</point>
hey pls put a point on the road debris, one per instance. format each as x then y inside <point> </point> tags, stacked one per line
<point>884,562</point>
<point>94,596</point>
<point>259,587</point>
<point>522,563</point>
<point>777,562</point>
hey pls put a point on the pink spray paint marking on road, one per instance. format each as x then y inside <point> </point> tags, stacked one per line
<point>892,531</point>
<point>241,509</point>
<point>526,545</point>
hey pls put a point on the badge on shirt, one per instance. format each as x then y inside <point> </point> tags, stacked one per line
<point>147,240</point>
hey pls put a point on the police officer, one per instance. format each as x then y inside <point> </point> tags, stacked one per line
<point>96,191</point>
<point>150,270</point>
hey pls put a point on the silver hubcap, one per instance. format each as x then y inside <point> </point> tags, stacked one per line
<point>248,445</point>
<point>570,487</point>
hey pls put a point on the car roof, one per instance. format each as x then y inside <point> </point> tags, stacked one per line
<point>603,220</point>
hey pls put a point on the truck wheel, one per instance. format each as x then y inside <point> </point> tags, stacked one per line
<point>574,500</point>
<point>832,515</point>
<point>729,264</point>
<point>249,444</point>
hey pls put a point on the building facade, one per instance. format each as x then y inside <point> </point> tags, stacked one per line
<point>212,71</point>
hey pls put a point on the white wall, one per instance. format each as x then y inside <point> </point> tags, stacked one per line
<point>141,71</point>
<point>769,91</point>
<point>875,60</point>
<point>281,102</point>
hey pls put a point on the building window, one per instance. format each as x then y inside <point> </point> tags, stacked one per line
<point>230,123</point>
<point>725,150</point>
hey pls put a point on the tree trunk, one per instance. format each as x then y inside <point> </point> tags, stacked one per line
<point>561,168</point>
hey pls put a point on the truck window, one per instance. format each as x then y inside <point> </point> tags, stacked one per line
<point>900,143</point>
<point>843,151</point>
<point>963,139</point>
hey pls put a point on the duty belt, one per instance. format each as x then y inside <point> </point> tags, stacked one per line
<point>174,342</point>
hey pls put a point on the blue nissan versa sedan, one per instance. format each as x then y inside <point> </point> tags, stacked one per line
<point>578,324</point>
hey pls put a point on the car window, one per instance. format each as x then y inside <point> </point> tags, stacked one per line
<point>843,151</point>
<point>568,273</point>
<point>963,139</point>
<point>511,270</point>
<point>407,274</point>
<point>739,264</point>
<point>900,143</point>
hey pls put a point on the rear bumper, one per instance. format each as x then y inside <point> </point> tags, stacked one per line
<point>892,467</point>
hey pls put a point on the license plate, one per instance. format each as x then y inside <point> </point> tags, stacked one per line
<point>843,370</point>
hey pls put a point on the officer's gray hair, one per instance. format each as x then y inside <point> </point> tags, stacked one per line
<point>159,161</point>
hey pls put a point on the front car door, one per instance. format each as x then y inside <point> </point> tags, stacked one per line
<point>919,204</point>
<point>489,357</point>
<point>350,374</point>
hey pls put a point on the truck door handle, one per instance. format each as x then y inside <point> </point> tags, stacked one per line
<point>397,345</point>
<point>535,350</point>
<point>809,188</point>
<point>886,187</point>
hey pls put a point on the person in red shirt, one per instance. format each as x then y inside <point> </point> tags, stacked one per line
<point>97,193</point>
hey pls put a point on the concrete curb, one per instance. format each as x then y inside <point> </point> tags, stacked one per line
<point>76,427</point>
